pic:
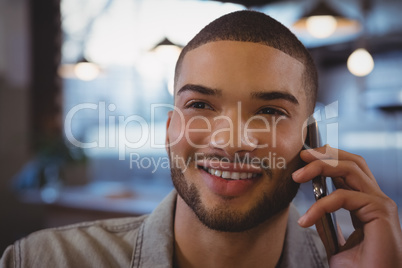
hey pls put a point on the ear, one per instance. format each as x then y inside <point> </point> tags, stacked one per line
<point>170,113</point>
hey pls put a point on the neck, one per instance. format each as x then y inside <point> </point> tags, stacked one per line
<point>198,246</point>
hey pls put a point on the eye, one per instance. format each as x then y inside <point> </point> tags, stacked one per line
<point>199,105</point>
<point>271,111</point>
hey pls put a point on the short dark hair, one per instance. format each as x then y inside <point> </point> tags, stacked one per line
<point>257,27</point>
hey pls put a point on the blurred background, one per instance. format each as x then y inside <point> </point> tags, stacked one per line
<point>85,86</point>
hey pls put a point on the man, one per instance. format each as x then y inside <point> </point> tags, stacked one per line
<point>244,88</point>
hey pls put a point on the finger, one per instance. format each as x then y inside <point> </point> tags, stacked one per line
<point>340,183</point>
<point>352,175</point>
<point>355,221</point>
<point>341,238</point>
<point>354,239</point>
<point>365,207</point>
<point>327,152</point>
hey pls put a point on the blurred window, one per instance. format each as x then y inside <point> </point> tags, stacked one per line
<point>116,99</point>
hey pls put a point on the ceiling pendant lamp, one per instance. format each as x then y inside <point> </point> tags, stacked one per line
<point>324,21</point>
<point>360,62</point>
<point>83,70</point>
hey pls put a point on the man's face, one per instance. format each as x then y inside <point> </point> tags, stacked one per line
<point>236,133</point>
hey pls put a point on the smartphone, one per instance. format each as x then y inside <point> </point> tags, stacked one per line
<point>327,230</point>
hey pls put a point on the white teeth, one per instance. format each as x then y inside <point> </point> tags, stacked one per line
<point>231,175</point>
<point>226,175</point>
<point>235,176</point>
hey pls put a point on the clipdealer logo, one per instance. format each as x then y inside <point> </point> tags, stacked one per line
<point>116,126</point>
<point>328,128</point>
<point>118,136</point>
<point>155,163</point>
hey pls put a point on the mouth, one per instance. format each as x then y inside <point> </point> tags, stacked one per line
<point>230,175</point>
<point>230,179</point>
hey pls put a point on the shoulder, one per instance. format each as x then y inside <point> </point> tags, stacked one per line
<point>103,242</point>
<point>119,242</point>
<point>121,228</point>
<point>118,225</point>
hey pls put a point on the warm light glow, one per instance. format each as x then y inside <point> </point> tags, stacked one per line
<point>86,71</point>
<point>321,26</point>
<point>360,62</point>
<point>168,54</point>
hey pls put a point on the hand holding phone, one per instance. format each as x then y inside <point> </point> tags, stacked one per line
<point>326,227</point>
<point>377,238</point>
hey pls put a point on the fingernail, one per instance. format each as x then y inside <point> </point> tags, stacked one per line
<point>302,220</point>
<point>296,174</point>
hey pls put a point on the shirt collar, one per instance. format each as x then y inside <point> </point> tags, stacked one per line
<point>155,242</point>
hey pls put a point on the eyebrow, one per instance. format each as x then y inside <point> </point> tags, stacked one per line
<point>200,89</point>
<point>274,96</point>
<point>262,95</point>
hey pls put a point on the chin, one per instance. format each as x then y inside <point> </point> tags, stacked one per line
<point>223,217</point>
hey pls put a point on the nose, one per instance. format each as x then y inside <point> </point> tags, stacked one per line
<point>230,135</point>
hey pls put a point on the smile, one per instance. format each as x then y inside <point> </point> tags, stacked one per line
<point>228,175</point>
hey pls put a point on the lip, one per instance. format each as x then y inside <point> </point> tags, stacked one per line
<point>228,188</point>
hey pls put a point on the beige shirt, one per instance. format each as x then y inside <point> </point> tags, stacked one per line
<point>145,241</point>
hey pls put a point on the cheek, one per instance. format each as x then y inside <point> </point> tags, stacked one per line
<point>187,133</point>
<point>174,133</point>
<point>197,131</point>
<point>288,141</point>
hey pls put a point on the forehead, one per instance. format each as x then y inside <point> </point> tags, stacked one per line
<point>241,66</point>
